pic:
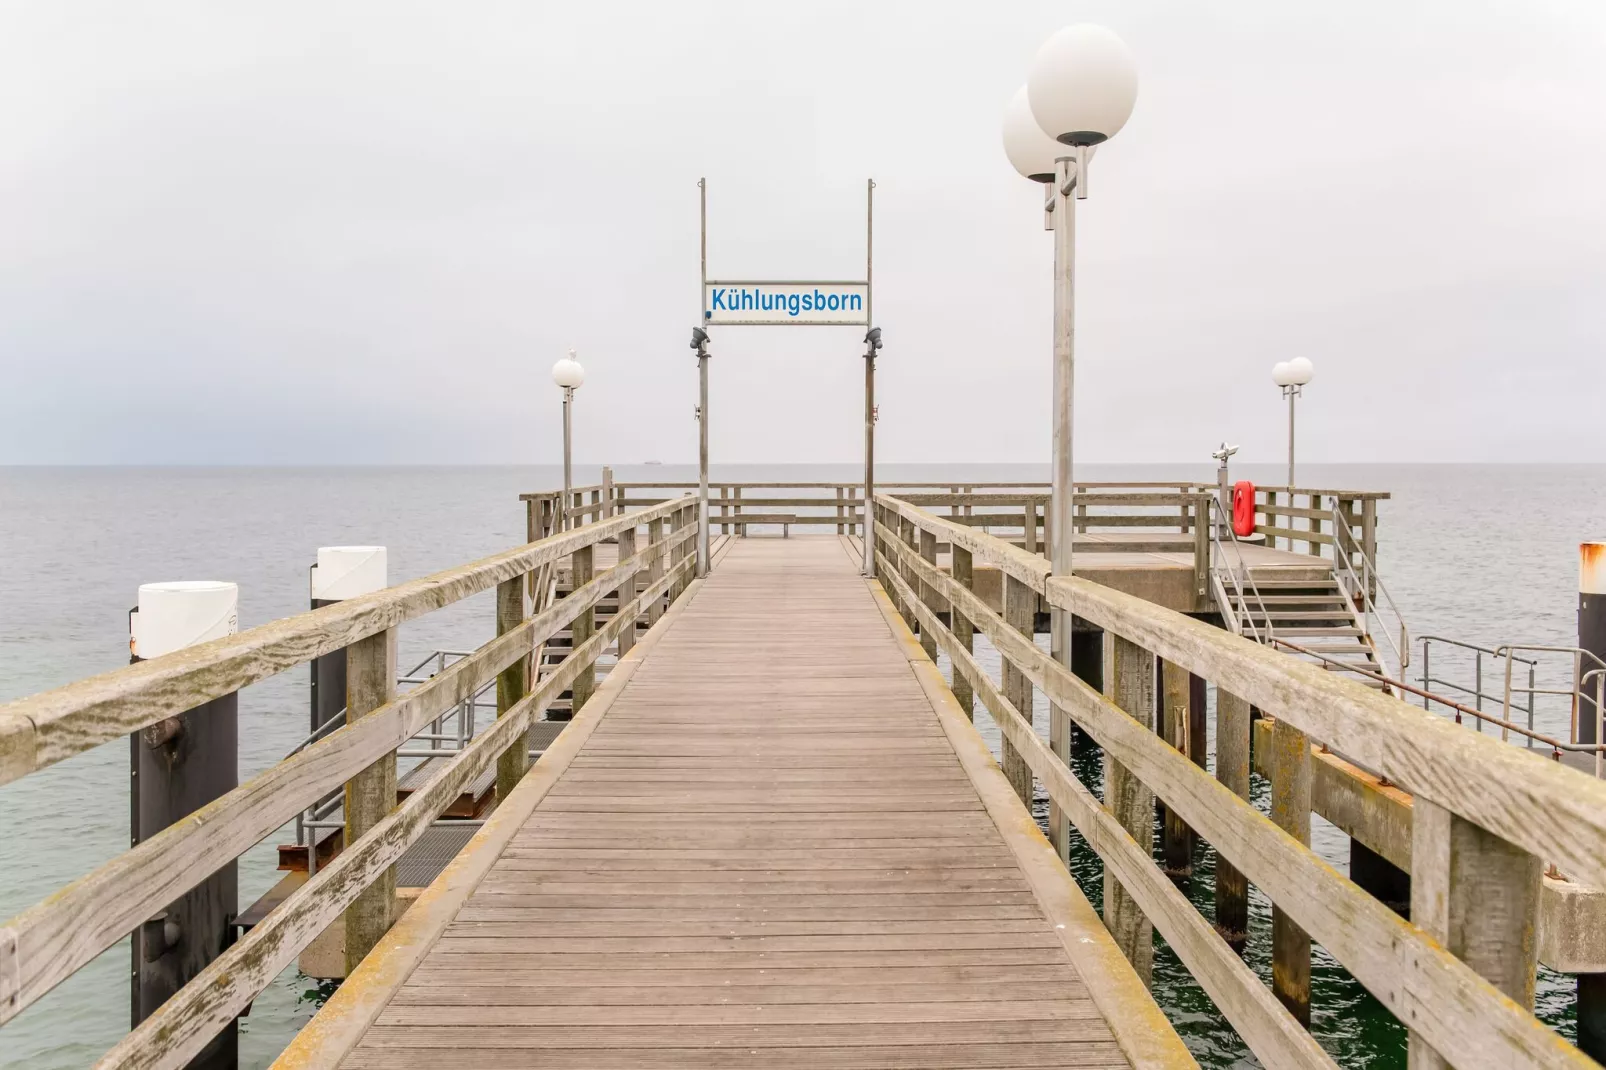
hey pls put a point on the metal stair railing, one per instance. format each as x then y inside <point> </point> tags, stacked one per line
<point>1239,614</point>
<point>1358,586</point>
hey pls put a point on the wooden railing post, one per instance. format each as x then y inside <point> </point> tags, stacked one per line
<point>963,574</point>
<point>582,568</point>
<point>655,568</point>
<point>627,590</point>
<point>1290,811</point>
<point>1313,547</point>
<point>371,794</point>
<point>605,495</point>
<point>1020,606</point>
<point>1201,549</point>
<point>839,512</point>
<point>1029,525</point>
<point>1232,770</point>
<point>1369,538</point>
<point>928,593</point>
<point>1129,682</point>
<point>1176,839</point>
<point>906,533</point>
<point>512,684</point>
<point>1478,895</point>
<point>736,496</point>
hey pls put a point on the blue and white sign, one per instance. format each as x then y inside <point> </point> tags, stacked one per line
<point>844,304</point>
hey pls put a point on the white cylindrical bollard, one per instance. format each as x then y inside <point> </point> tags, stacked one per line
<point>179,765</point>
<point>342,572</point>
<point>172,616</point>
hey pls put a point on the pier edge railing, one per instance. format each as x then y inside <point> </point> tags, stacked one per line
<point>1460,976</point>
<point>51,940</point>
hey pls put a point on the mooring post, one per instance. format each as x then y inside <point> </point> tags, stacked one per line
<point>582,565</point>
<point>177,766</point>
<point>1591,637</point>
<point>1020,609</point>
<point>1129,679</point>
<point>1232,770</point>
<point>1176,839</point>
<point>371,794</point>
<point>512,684</point>
<point>1478,895</point>
<point>963,573</point>
<point>341,572</point>
<point>1290,811</point>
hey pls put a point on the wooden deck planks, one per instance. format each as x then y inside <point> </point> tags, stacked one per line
<point>766,853</point>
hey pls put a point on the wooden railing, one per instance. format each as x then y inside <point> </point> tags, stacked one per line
<point>51,940</point>
<point>1296,517</point>
<point>1459,975</point>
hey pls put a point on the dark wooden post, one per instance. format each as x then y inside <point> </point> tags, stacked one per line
<point>1176,839</point>
<point>371,794</point>
<point>1232,770</point>
<point>1129,679</point>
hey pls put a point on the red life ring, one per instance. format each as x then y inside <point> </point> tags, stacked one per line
<point>1243,508</point>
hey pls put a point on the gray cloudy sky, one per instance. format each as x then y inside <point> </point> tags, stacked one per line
<point>362,232</point>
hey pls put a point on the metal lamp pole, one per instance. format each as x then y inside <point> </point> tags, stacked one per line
<point>1291,376</point>
<point>568,374</point>
<point>1291,392</point>
<point>872,342</point>
<point>699,342</point>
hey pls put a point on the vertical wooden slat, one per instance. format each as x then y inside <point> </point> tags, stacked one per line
<point>1313,547</point>
<point>1029,525</point>
<point>370,795</point>
<point>512,684</point>
<point>627,590</point>
<point>605,495</point>
<point>1232,770</point>
<point>1201,550</point>
<point>1129,683</point>
<point>1176,839</point>
<point>839,513</point>
<point>1020,605</point>
<point>1478,895</point>
<point>1290,811</point>
<point>960,625</point>
<point>1369,538</point>
<point>582,566</point>
<point>736,497</point>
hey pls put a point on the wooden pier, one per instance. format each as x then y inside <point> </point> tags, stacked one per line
<point>770,833</point>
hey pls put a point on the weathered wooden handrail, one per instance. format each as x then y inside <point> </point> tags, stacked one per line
<point>48,942</point>
<point>1481,788</point>
<point>46,728</point>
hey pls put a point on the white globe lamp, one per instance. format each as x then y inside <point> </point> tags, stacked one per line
<point>1300,371</point>
<point>1281,374</point>
<point>1082,84</point>
<point>567,372</point>
<point>1031,152</point>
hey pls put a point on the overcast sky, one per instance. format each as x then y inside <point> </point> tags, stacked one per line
<point>362,232</point>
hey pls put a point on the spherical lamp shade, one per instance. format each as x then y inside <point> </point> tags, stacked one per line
<point>1281,375</point>
<point>1301,371</point>
<point>1082,85</point>
<point>567,372</point>
<point>1031,151</point>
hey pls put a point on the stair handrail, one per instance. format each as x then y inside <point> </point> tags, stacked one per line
<point>1358,587</point>
<point>1219,566</point>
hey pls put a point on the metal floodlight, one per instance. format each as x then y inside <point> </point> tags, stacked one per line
<point>874,338</point>
<point>699,339</point>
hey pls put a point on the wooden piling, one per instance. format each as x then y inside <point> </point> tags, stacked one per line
<point>1290,811</point>
<point>963,630</point>
<point>1129,679</point>
<point>1478,895</point>
<point>582,566</point>
<point>371,794</point>
<point>1020,606</point>
<point>1176,839</point>
<point>1232,770</point>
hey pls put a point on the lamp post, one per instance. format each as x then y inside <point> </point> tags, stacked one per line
<point>699,342</point>
<point>1292,375</point>
<point>1079,92</point>
<point>872,343</point>
<point>568,374</point>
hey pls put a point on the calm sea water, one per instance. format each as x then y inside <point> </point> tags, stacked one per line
<point>1482,552</point>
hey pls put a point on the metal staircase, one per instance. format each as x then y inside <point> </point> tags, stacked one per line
<point>1325,619</point>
